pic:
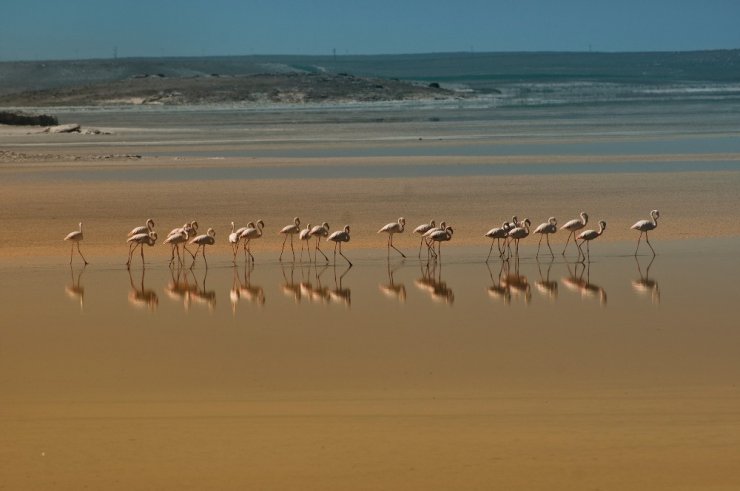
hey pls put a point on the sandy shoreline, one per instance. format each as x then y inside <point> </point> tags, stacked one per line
<point>617,377</point>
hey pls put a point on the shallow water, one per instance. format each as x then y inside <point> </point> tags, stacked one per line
<point>611,301</point>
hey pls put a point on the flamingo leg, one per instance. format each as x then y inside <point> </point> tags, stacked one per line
<point>206,261</point>
<point>80,252</point>
<point>291,247</point>
<point>319,249</point>
<point>335,252</point>
<point>638,243</point>
<point>490,250</point>
<point>538,245</point>
<point>172,250</point>
<point>345,257</point>
<point>71,253</point>
<point>141,249</point>
<point>548,245</point>
<point>646,240</point>
<point>248,249</point>
<point>390,237</point>
<point>283,248</point>
<point>195,256</point>
<point>568,240</point>
<point>131,254</point>
<point>421,242</point>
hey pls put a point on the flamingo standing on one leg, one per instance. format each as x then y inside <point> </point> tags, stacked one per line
<point>75,237</point>
<point>393,228</point>
<point>139,240</point>
<point>587,237</point>
<point>319,231</point>
<point>254,232</point>
<point>290,230</point>
<point>421,230</point>
<point>574,226</point>
<point>209,238</point>
<point>496,234</point>
<point>338,237</point>
<point>545,229</point>
<point>644,226</point>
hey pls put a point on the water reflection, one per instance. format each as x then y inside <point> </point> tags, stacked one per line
<point>245,289</point>
<point>340,294</point>
<point>140,296</point>
<point>391,289</point>
<point>199,294</point>
<point>544,285</point>
<point>516,283</point>
<point>178,288</point>
<point>645,285</point>
<point>290,288</point>
<point>576,282</point>
<point>431,282</point>
<point>75,290</point>
<point>497,290</point>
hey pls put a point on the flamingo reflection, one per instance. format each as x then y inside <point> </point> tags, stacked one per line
<point>178,288</point>
<point>645,285</point>
<point>290,288</point>
<point>544,285</point>
<point>340,294</point>
<point>517,284</point>
<point>201,295</point>
<point>252,293</point>
<point>140,296</point>
<point>576,283</point>
<point>497,290</point>
<point>431,282</point>
<point>74,289</point>
<point>391,289</point>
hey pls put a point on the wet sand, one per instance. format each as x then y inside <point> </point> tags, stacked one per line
<point>622,375</point>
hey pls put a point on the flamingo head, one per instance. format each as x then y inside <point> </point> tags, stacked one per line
<point>297,221</point>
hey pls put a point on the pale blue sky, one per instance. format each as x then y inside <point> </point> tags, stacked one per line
<point>59,29</point>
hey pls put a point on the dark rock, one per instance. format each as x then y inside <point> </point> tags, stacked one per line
<point>434,85</point>
<point>25,119</point>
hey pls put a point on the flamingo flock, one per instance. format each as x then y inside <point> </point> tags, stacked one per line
<point>509,234</point>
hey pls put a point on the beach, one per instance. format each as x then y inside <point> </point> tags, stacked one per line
<point>391,374</point>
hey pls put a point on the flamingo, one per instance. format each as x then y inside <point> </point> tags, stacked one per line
<point>234,238</point>
<point>574,226</point>
<point>338,237</point>
<point>75,237</point>
<point>441,236</point>
<point>139,240</point>
<point>319,231</point>
<point>644,226</point>
<point>587,237</point>
<point>144,229</point>
<point>189,229</point>
<point>174,240</point>
<point>427,235</point>
<point>394,228</point>
<point>497,234</point>
<point>422,229</point>
<point>290,230</point>
<point>254,232</point>
<point>209,238</point>
<point>545,229</point>
<point>518,233</point>
<point>304,236</point>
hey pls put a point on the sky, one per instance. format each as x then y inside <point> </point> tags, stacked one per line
<point>69,29</point>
